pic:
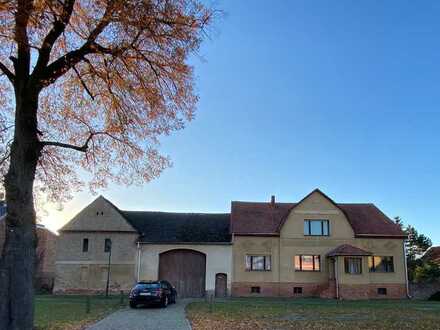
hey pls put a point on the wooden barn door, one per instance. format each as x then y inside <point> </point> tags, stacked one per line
<point>220,285</point>
<point>185,270</point>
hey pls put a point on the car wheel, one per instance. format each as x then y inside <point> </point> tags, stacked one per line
<point>132,304</point>
<point>165,302</point>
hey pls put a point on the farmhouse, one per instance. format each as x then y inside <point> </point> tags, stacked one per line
<point>315,247</point>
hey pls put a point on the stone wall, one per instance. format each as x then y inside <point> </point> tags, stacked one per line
<point>423,290</point>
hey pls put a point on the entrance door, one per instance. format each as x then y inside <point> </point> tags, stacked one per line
<point>220,285</point>
<point>186,270</point>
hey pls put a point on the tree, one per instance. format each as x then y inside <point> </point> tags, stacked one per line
<point>427,272</point>
<point>416,245</point>
<point>87,85</point>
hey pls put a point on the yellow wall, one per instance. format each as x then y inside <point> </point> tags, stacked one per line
<point>293,242</point>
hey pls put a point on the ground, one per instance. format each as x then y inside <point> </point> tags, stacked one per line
<point>147,318</point>
<point>268,313</point>
<point>53,312</point>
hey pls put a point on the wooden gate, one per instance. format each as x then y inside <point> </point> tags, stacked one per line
<point>185,270</point>
<point>220,285</point>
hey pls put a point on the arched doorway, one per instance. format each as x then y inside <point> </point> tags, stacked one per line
<point>221,285</point>
<point>186,270</point>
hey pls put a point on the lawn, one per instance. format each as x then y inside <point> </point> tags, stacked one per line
<point>69,312</point>
<point>268,313</point>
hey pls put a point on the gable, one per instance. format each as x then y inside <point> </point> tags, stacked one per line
<point>316,206</point>
<point>267,219</point>
<point>100,215</point>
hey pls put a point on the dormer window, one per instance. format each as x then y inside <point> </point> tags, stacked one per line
<point>316,228</point>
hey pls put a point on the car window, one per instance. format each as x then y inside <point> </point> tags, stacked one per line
<point>142,286</point>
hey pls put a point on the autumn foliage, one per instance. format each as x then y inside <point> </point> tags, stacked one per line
<point>113,78</point>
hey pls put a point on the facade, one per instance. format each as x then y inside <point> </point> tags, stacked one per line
<point>191,250</point>
<point>315,247</point>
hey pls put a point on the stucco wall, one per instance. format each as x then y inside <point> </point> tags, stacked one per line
<point>293,242</point>
<point>218,260</point>
<point>77,270</point>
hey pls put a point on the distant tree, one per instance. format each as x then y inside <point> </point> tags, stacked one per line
<point>416,245</point>
<point>86,87</point>
<point>427,272</point>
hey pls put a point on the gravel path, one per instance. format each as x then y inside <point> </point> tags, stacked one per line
<point>153,318</point>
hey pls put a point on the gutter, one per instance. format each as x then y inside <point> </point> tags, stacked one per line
<point>336,277</point>
<point>406,270</point>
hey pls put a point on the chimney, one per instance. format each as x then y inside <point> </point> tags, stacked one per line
<point>272,200</point>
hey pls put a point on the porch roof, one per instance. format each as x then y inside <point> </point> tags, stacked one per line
<point>348,250</point>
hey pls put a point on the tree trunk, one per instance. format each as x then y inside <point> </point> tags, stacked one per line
<point>17,263</point>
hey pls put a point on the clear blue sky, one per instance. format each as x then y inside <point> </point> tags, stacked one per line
<point>295,95</point>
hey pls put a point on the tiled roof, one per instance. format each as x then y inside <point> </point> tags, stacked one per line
<point>253,218</point>
<point>168,227</point>
<point>432,254</point>
<point>348,250</point>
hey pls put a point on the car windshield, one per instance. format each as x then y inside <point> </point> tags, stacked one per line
<point>143,286</point>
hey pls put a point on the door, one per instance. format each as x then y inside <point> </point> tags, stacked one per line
<point>220,285</point>
<point>185,270</point>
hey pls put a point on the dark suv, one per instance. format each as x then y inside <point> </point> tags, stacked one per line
<point>152,292</point>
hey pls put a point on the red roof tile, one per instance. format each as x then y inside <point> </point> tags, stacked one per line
<point>253,218</point>
<point>348,250</point>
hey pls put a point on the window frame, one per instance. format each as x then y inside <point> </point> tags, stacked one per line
<point>373,267</point>
<point>85,245</point>
<point>314,257</point>
<point>107,245</point>
<point>346,268</point>
<point>267,262</point>
<point>309,227</point>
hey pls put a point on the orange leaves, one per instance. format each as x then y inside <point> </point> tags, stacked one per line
<point>116,79</point>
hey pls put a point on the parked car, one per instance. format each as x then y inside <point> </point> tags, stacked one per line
<point>152,292</point>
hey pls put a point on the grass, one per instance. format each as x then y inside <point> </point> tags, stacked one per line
<point>55,312</point>
<point>313,313</point>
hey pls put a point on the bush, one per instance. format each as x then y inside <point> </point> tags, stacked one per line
<point>435,296</point>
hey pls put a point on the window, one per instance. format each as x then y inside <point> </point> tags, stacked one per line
<point>260,263</point>
<point>381,264</point>
<point>85,245</point>
<point>297,290</point>
<point>107,245</point>
<point>353,265</point>
<point>307,263</point>
<point>316,227</point>
<point>382,291</point>
<point>255,289</point>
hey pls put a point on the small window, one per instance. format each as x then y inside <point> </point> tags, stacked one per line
<point>255,289</point>
<point>85,245</point>
<point>107,245</point>
<point>353,265</point>
<point>297,290</point>
<point>258,263</point>
<point>316,228</point>
<point>382,291</point>
<point>307,263</point>
<point>378,264</point>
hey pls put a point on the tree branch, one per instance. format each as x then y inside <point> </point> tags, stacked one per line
<point>7,72</point>
<point>22,64</point>
<point>58,28</point>
<point>83,83</point>
<point>82,148</point>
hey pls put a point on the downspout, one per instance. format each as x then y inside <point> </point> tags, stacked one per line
<point>139,262</point>
<point>337,277</point>
<point>406,270</point>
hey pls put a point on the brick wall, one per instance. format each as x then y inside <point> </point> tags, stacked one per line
<point>359,291</point>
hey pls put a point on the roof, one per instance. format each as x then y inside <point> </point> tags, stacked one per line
<point>254,218</point>
<point>348,250</point>
<point>169,227</point>
<point>432,254</point>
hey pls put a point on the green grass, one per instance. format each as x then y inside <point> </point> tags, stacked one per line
<point>313,313</point>
<point>69,312</point>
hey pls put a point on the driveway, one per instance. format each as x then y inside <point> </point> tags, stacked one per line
<point>171,318</point>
